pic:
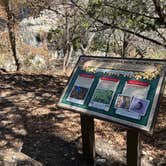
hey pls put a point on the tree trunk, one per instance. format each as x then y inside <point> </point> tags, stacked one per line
<point>64,59</point>
<point>125,44</point>
<point>108,43</point>
<point>70,51</point>
<point>12,38</point>
<point>66,50</point>
<point>160,11</point>
<point>86,49</point>
<point>107,47</point>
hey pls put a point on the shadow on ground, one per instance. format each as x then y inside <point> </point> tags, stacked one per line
<point>31,123</point>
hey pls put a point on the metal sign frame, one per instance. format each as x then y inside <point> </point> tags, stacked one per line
<point>87,64</point>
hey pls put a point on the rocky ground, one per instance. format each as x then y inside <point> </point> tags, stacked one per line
<point>34,131</point>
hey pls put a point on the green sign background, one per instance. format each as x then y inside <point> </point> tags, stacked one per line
<point>143,121</point>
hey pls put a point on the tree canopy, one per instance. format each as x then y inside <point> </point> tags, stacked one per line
<point>134,17</point>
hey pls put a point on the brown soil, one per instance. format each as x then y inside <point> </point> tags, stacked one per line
<point>34,131</point>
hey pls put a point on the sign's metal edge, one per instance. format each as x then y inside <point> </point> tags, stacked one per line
<point>127,124</point>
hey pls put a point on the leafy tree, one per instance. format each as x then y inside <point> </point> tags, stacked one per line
<point>136,17</point>
<point>71,33</point>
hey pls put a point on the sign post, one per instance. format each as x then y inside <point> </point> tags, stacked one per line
<point>123,91</point>
<point>88,138</point>
<point>133,148</point>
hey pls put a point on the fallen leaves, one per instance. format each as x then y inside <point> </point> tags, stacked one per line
<point>29,115</point>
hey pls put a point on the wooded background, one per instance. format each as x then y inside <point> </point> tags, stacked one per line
<point>41,35</point>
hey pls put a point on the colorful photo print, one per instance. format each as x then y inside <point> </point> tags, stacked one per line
<point>139,105</point>
<point>102,96</point>
<point>123,102</point>
<point>79,92</point>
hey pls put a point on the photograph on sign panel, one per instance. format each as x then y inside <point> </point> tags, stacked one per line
<point>80,88</point>
<point>102,96</point>
<point>123,102</point>
<point>104,93</point>
<point>109,77</point>
<point>139,105</point>
<point>79,92</point>
<point>122,106</point>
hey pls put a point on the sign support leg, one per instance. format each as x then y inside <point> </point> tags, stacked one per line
<point>88,138</point>
<point>133,148</point>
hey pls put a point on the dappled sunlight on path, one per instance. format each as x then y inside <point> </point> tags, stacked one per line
<point>32,124</point>
<point>30,121</point>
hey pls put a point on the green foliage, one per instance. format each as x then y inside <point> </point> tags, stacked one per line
<point>94,6</point>
<point>85,25</point>
<point>76,43</point>
<point>129,16</point>
<point>102,96</point>
<point>78,28</point>
<point>55,34</point>
<point>99,43</point>
<point>56,37</point>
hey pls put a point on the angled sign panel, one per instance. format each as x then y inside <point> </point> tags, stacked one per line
<point>125,91</point>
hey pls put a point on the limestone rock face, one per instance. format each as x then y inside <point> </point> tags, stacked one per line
<point>34,30</point>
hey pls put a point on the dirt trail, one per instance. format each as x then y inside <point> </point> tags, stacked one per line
<point>35,132</point>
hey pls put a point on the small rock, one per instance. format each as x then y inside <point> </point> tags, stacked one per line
<point>150,158</point>
<point>66,154</point>
<point>100,162</point>
<point>73,158</point>
<point>46,95</point>
<point>80,152</point>
<point>143,152</point>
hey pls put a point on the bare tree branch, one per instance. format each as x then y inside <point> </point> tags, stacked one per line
<point>128,11</point>
<point>131,32</point>
<point>112,25</point>
<point>160,11</point>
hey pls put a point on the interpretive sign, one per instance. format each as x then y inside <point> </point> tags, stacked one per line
<point>125,91</point>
